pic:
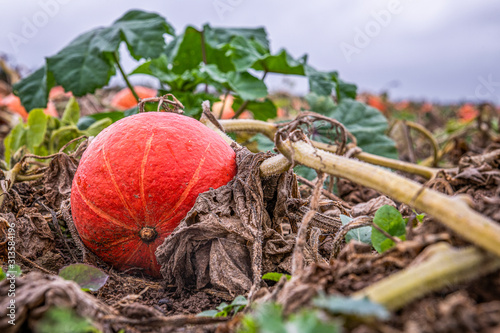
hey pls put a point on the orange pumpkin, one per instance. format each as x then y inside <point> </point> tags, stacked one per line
<point>124,99</point>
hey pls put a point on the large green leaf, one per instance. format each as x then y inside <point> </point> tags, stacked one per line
<point>87,63</point>
<point>321,83</point>
<point>220,36</point>
<point>247,86</point>
<point>160,68</point>
<point>82,66</point>
<point>367,124</point>
<point>282,63</point>
<point>244,53</point>
<point>34,89</point>
<point>142,32</point>
<point>186,53</point>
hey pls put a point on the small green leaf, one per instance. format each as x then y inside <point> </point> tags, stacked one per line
<point>87,277</point>
<point>62,136</point>
<point>2,274</point>
<point>263,142</point>
<point>351,306</point>
<point>273,276</point>
<point>98,126</point>
<point>85,122</point>
<point>208,313</point>
<point>14,270</point>
<point>13,141</point>
<point>267,317</point>
<point>305,172</point>
<point>390,220</point>
<point>308,321</point>
<point>261,110</point>
<point>64,320</point>
<point>362,234</point>
<point>71,113</point>
<point>36,128</point>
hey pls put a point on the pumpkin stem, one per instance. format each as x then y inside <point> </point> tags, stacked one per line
<point>148,234</point>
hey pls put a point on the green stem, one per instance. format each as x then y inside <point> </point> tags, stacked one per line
<point>125,77</point>
<point>10,177</point>
<point>453,212</point>
<point>428,135</point>
<point>445,267</point>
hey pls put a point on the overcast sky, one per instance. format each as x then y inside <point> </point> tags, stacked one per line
<point>439,50</point>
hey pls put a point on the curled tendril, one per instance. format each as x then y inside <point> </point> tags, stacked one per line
<point>164,103</point>
<point>305,124</point>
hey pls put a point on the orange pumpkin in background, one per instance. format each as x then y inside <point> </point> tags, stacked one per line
<point>467,112</point>
<point>227,112</point>
<point>125,100</point>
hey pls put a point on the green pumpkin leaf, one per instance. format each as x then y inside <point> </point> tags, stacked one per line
<point>216,37</point>
<point>62,136</point>
<point>263,142</point>
<point>64,320</point>
<point>281,63</point>
<point>390,220</point>
<point>82,66</point>
<point>243,53</point>
<point>98,126</point>
<point>320,83</point>
<point>273,276</point>
<point>33,90</point>
<point>13,141</point>
<point>85,122</point>
<point>71,113</point>
<point>351,306</point>
<point>143,33</point>
<point>208,313</point>
<point>36,128</point>
<point>310,322</point>
<point>88,277</point>
<point>262,110</point>
<point>247,86</point>
<point>367,124</point>
<point>87,63</point>
<point>362,234</point>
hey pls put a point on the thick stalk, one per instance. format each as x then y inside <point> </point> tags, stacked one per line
<point>443,268</point>
<point>450,211</point>
<point>125,77</point>
<point>249,126</point>
<point>412,168</point>
<point>269,130</point>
